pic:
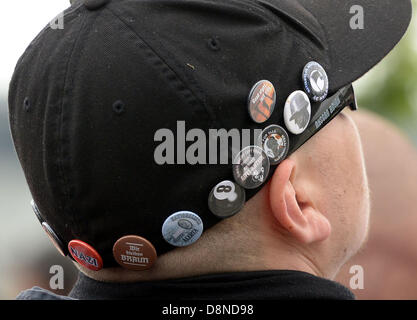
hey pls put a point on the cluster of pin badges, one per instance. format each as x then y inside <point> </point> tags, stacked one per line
<point>250,170</point>
<point>132,252</point>
<point>252,164</point>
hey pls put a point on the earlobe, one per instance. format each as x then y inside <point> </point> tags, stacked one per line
<point>292,207</point>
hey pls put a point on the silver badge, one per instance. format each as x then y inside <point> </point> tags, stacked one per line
<point>275,142</point>
<point>226,199</point>
<point>36,210</point>
<point>251,167</point>
<point>297,112</point>
<point>316,82</point>
<point>182,228</point>
<point>54,238</point>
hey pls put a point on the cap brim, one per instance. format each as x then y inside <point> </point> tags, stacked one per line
<point>353,52</point>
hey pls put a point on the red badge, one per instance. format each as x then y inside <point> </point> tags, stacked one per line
<point>85,255</point>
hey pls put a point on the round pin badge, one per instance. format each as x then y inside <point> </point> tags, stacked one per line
<point>36,210</point>
<point>226,199</point>
<point>59,245</point>
<point>297,112</point>
<point>251,167</point>
<point>316,82</point>
<point>134,253</point>
<point>182,228</point>
<point>261,101</point>
<point>85,255</point>
<point>275,142</point>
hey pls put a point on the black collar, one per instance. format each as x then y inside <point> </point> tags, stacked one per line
<point>259,285</point>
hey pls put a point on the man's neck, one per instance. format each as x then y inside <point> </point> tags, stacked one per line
<point>207,256</point>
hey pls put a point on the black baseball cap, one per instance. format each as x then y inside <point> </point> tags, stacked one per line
<point>86,100</point>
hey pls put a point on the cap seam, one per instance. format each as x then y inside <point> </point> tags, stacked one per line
<point>60,162</point>
<point>209,111</point>
<point>45,29</point>
<point>253,5</point>
<point>317,38</point>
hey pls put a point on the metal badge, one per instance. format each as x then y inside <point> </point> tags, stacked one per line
<point>36,211</point>
<point>316,82</point>
<point>251,167</point>
<point>275,142</point>
<point>226,199</point>
<point>182,228</point>
<point>261,101</point>
<point>134,253</point>
<point>59,245</point>
<point>297,112</point>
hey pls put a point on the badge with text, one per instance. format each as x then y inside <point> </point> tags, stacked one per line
<point>134,253</point>
<point>316,82</point>
<point>275,142</point>
<point>85,255</point>
<point>226,199</point>
<point>261,101</point>
<point>251,167</point>
<point>182,228</point>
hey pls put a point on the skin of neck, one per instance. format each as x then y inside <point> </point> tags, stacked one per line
<point>249,241</point>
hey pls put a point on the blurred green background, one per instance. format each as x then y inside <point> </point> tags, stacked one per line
<point>26,254</point>
<point>390,89</point>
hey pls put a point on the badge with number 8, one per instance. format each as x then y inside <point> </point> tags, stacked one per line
<point>226,199</point>
<point>225,190</point>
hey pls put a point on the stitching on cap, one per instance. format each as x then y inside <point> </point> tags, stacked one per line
<point>299,24</point>
<point>191,94</point>
<point>42,33</point>
<point>261,10</point>
<point>64,179</point>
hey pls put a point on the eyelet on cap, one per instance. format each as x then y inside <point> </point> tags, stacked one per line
<point>26,104</point>
<point>214,43</point>
<point>95,4</point>
<point>118,107</point>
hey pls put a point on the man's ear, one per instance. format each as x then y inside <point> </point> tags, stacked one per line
<point>293,208</point>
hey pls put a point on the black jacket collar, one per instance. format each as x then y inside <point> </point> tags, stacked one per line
<point>260,285</point>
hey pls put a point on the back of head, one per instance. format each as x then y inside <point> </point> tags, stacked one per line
<point>141,124</point>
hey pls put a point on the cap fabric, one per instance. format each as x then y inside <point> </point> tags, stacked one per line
<point>86,101</point>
